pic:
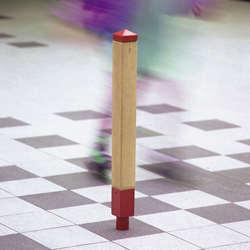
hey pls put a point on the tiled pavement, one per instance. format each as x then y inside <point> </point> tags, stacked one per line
<point>193,141</point>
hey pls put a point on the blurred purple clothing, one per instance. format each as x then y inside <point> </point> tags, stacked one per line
<point>142,17</point>
<point>108,16</point>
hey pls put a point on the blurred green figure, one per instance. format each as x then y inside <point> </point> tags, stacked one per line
<point>105,17</point>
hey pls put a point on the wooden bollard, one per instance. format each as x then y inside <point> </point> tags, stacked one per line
<point>124,126</point>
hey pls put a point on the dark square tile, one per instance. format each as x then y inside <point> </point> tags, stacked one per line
<point>143,132</point>
<point>76,180</point>
<point>244,157</point>
<point>46,141</point>
<point>11,173</point>
<point>27,44</point>
<point>161,186</point>
<point>247,142</point>
<point>57,200</point>
<point>3,35</point>
<point>222,213</point>
<point>11,122</point>
<point>209,125</point>
<point>148,205</point>
<point>5,17</point>
<point>80,162</point>
<point>159,108</point>
<point>19,242</point>
<point>83,115</point>
<point>182,176</point>
<point>107,229</point>
<point>186,152</point>
<point>140,132</point>
<point>226,189</point>
<point>239,174</point>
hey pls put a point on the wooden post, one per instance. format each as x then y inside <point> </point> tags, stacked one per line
<point>124,126</point>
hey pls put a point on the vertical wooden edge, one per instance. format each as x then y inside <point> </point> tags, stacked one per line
<point>124,114</point>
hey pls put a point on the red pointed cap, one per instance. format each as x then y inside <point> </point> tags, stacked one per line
<point>125,36</point>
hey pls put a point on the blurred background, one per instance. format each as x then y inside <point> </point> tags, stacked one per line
<point>193,123</point>
<point>187,55</point>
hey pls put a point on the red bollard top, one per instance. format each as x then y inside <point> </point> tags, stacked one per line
<point>125,36</point>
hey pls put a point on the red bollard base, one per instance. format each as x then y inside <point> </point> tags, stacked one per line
<point>122,223</point>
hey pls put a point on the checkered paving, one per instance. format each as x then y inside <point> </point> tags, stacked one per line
<point>192,165</point>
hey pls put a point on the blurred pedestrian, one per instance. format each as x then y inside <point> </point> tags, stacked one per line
<point>144,19</point>
<point>106,17</point>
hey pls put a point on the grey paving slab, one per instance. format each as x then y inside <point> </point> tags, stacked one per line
<point>46,141</point>
<point>159,108</point>
<point>11,122</point>
<point>225,213</point>
<point>209,125</point>
<point>11,173</point>
<point>160,186</point>
<point>82,115</point>
<point>4,35</point>
<point>27,44</point>
<point>187,152</point>
<point>247,141</point>
<point>244,157</point>
<point>240,174</point>
<point>19,241</point>
<point>55,200</point>
<point>76,180</point>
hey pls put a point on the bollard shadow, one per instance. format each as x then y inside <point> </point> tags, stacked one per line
<point>182,173</point>
<point>107,229</point>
